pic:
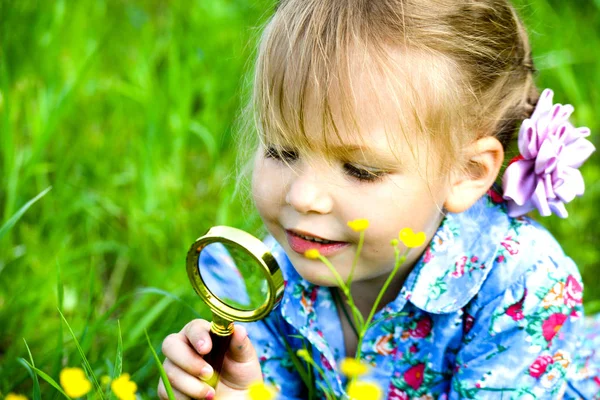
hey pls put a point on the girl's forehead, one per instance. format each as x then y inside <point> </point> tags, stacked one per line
<point>362,120</point>
<point>387,103</point>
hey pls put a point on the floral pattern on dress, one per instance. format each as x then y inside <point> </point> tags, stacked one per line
<point>493,309</point>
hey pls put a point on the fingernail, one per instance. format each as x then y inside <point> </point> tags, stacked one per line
<point>206,372</point>
<point>242,329</point>
<point>199,344</point>
<point>210,395</point>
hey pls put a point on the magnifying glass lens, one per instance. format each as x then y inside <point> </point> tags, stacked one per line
<point>233,276</point>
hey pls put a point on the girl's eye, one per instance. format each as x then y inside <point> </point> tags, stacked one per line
<point>363,174</point>
<point>284,154</point>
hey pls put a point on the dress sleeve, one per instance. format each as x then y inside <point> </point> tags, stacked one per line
<point>520,343</point>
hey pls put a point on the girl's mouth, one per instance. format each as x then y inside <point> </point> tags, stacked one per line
<point>300,243</point>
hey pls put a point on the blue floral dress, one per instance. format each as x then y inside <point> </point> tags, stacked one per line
<point>493,309</point>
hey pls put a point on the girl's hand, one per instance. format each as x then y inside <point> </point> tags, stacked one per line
<point>187,370</point>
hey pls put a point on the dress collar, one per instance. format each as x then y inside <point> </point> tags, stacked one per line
<point>459,257</point>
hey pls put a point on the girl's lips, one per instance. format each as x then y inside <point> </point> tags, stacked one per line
<point>300,245</point>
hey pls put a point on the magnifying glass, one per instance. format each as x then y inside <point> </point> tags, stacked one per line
<point>236,275</point>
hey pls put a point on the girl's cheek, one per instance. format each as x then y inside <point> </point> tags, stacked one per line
<point>266,187</point>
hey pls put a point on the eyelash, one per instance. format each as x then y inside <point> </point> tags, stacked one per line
<point>360,174</point>
<point>363,175</point>
<point>282,155</point>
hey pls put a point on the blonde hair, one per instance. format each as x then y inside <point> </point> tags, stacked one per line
<point>455,70</point>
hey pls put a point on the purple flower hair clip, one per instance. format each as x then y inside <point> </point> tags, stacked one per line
<point>546,176</point>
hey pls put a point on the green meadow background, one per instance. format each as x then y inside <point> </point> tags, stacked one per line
<point>127,110</point>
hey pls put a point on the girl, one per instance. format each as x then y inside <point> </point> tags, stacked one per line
<point>400,112</point>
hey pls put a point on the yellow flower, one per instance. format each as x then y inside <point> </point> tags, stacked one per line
<point>352,368</point>
<point>358,390</point>
<point>123,388</point>
<point>105,380</point>
<point>312,254</point>
<point>13,396</point>
<point>74,382</point>
<point>260,391</point>
<point>411,239</point>
<point>303,354</point>
<point>359,225</point>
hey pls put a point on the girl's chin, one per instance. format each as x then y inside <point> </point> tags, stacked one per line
<point>318,278</point>
<point>317,274</point>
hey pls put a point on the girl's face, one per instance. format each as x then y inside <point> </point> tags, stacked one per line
<point>310,195</point>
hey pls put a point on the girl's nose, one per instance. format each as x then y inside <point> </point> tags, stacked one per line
<point>306,193</point>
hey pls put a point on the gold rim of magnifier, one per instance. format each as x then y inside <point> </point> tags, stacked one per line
<point>253,247</point>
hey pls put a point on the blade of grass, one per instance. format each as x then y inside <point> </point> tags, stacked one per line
<point>44,376</point>
<point>163,374</point>
<point>36,382</point>
<point>171,296</point>
<point>207,138</point>
<point>304,372</point>
<point>8,143</point>
<point>60,337</point>
<point>311,362</point>
<point>151,315</point>
<point>90,313</point>
<point>81,352</point>
<point>119,358</point>
<point>13,220</point>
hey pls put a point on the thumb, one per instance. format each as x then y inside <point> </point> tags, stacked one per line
<point>240,348</point>
<point>241,367</point>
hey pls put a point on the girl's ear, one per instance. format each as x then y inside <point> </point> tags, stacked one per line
<point>467,186</point>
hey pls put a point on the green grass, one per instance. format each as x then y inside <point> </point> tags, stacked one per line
<point>126,109</point>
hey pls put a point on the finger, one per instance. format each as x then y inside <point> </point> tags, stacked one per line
<point>187,384</point>
<point>197,333</point>
<point>162,392</point>
<point>241,349</point>
<point>177,349</point>
<point>240,367</point>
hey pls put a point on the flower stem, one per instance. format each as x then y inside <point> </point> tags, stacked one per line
<point>399,260</point>
<point>357,316</point>
<point>361,240</point>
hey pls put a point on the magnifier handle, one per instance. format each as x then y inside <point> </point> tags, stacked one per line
<point>220,344</point>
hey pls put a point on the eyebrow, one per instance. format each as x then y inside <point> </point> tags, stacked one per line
<point>382,157</point>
